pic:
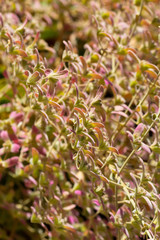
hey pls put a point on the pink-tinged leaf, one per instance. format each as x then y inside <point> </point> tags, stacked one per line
<point>66,45</point>
<point>103,34</point>
<point>20,52</point>
<point>59,118</point>
<point>35,130</point>
<point>63,72</point>
<point>4,135</point>
<point>95,76</point>
<point>48,71</point>
<point>56,105</point>
<point>139,129</point>
<point>34,41</point>
<point>81,112</point>
<point>50,219</point>
<point>10,162</point>
<point>99,135</point>
<point>72,219</point>
<point>120,113</point>
<point>38,137</point>
<point>130,136</point>
<point>134,180</point>
<point>83,61</point>
<point>152,73</point>
<point>18,117</point>
<point>32,180</point>
<point>97,124</point>
<point>27,73</point>
<point>99,162</point>
<point>131,49</point>
<point>126,232</point>
<point>89,153</point>
<point>145,147</point>
<point>45,115</point>
<point>96,202</point>
<point>133,55</point>
<point>152,186</point>
<point>15,148</point>
<point>35,155</point>
<point>113,149</point>
<point>22,26</point>
<point>12,135</point>
<point>126,107</point>
<point>33,78</point>
<point>69,228</point>
<point>69,207</point>
<point>91,139</point>
<point>147,65</point>
<point>99,92</point>
<point>148,202</point>
<point>104,179</point>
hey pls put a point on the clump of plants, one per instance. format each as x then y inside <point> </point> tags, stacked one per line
<point>79,120</point>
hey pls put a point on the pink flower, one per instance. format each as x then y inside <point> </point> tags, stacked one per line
<point>4,135</point>
<point>10,162</point>
<point>18,117</point>
<point>78,192</point>
<point>95,201</point>
<point>15,148</point>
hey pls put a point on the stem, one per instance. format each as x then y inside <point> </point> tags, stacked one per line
<point>140,103</point>
<point>134,150</point>
<point>128,158</point>
<point>136,23</point>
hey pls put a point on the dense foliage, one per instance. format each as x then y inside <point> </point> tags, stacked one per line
<point>79,119</point>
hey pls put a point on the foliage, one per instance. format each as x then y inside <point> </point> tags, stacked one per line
<point>79,119</point>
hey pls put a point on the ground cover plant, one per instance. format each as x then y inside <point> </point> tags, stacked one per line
<point>79,119</point>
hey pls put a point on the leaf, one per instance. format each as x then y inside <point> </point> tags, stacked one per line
<point>91,139</point>
<point>113,149</point>
<point>83,61</point>
<point>56,105</point>
<point>145,147</point>
<point>94,76</point>
<point>144,65</point>
<point>148,202</point>
<point>99,189</point>
<point>81,112</point>
<point>120,113</point>
<point>10,162</point>
<point>89,153</point>
<point>20,52</point>
<point>99,162</point>
<point>35,219</point>
<point>151,73</point>
<point>100,135</point>
<point>97,124</point>
<point>103,34</point>
<point>70,228</point>
<point>22,26</point>
<point>69,207</point>
<point>104,179</point>
<point>139,130</point>
<point>33,78</point>
<point>35,155</point>
<point>133,55</point>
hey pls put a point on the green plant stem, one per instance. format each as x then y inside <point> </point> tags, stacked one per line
<point>134,150</point>
<point>136,23</point>
<point>131,115</point>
